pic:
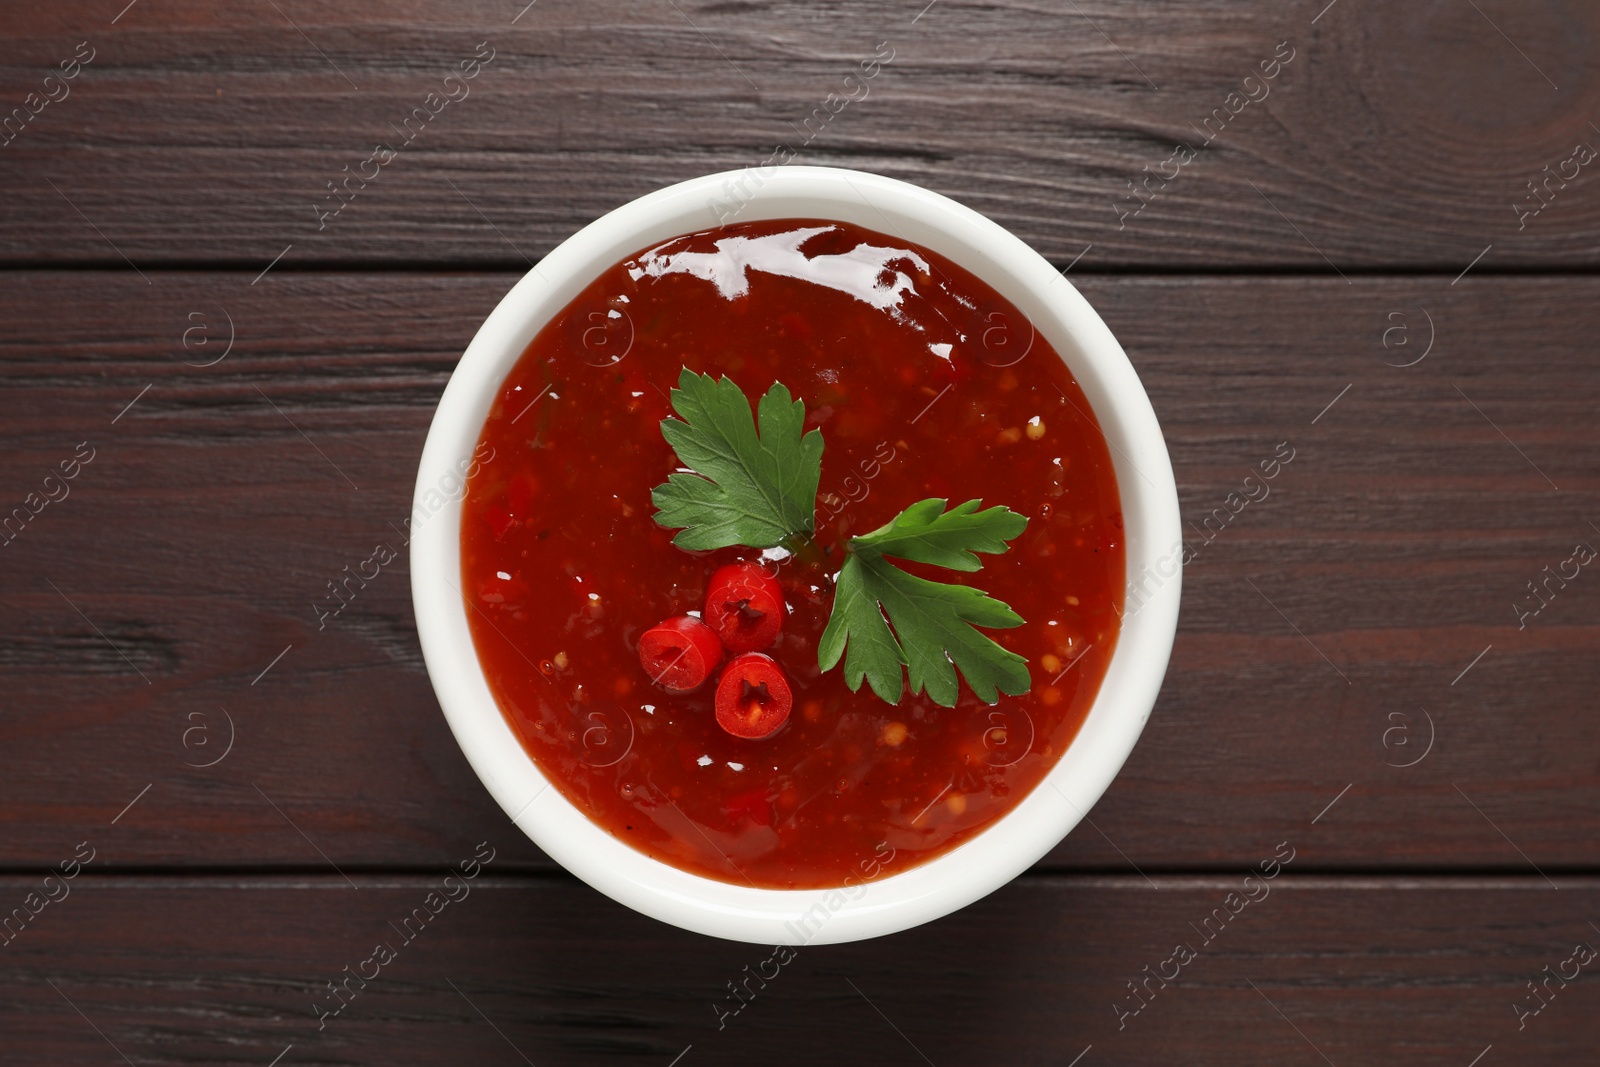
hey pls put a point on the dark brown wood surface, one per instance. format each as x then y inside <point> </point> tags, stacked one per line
<point>1398,134</point>
<point>1361,218</point>
<point>542,970</point>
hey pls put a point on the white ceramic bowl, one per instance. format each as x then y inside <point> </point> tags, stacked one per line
<point>1150,520</point>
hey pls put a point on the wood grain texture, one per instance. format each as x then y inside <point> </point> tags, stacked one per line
<point>1321,628</point>
<point>224,971</point>
<point>268,796</point>
<point>1397,135</point>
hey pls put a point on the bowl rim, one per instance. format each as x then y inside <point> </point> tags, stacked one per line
<point>900,899</point>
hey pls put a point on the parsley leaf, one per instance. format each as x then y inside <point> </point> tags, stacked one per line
<point>758,488</point>
<point>922,534</point>
<point>745,489</point>
<point>933,622</point>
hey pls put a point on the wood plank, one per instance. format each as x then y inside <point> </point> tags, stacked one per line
<point>1396,135</point>
<point>1394,544</point>
<point>224,971</point>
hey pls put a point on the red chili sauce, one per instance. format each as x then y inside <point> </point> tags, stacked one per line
<point>925,383</point>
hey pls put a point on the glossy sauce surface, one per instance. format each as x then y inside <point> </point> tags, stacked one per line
<point>924,382</point>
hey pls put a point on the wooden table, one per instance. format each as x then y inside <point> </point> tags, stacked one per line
<point>1384,254</point>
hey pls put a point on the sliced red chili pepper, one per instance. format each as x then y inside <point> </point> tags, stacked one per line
<point>680,653</point>
<point>744,605</point>
<point>753,697</point>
